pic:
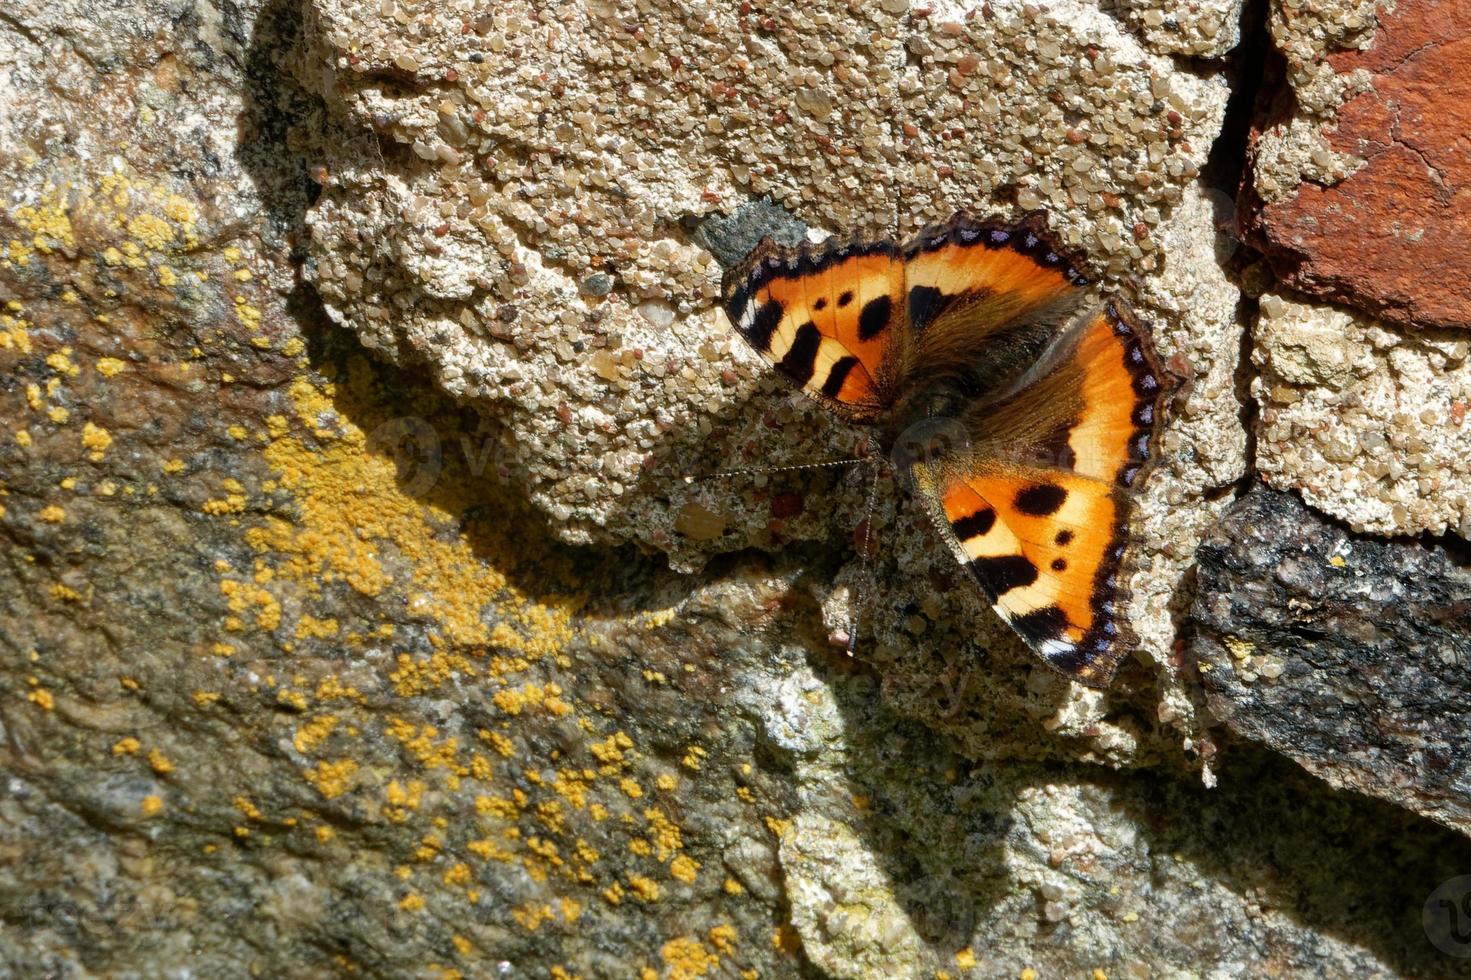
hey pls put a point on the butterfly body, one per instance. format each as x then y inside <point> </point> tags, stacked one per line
<point>1025,414</point>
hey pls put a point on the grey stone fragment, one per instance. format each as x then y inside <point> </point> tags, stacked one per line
<point>731,238</point>
<point>1346,654</point>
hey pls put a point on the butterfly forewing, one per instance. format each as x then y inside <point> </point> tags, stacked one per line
<point>973,278</point>
<point>825,317</point>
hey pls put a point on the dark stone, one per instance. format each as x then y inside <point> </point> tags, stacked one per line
<point>731,238</point>
<point>1374,638</point>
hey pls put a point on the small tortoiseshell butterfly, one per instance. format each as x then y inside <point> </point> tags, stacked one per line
<point>1054,406</point>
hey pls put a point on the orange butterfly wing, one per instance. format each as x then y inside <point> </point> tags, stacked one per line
<point>825,316</point>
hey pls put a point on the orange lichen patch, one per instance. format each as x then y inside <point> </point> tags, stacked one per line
<point>784,939</point>
<point>684,868</point>
<point>686,958</point>
<point>52,514</point>
<point>665,833</point>
<point>412,902</point>
<point>723,938</point>
<point>251,811</point>
<point>515,700</point>
<point>351,505</point>
<point>421,745</point>
<point>532,915</point>
<point>59,591</point>
<point>152,805</point>
<point>310,627</point>
<point>332,779</point>
<point>159,762</point>
<point>966,959</point>
<point>645,888</point>
<point>61,362</point>
<point>232,503</point>
<point>402,799</point>
<point>42,699</point>
<point>610,751</point>
<point>311,733</point>
<point>247,596</point>
<point>329,688</point>
<point>126,746</point>
<point>419,676</point>
<point>95,439</point>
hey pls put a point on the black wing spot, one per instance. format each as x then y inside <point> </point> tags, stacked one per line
<point>924,303</point>
<point>846,297</point>
<point>1041,499</point>
<point>801,360</point>
<point>1059,564</point>
<point>974,525</point>
<point>999,576</point>
<point>874,317</point>
<point>764,325</point>
<point>839,373</point>
<point>1064,538</point>
<point>821,303</point>
<point>1041,624</point>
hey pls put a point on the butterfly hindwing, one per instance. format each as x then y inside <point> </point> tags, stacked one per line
<point>1045,546</point>
<point>826,317</point>
<point>1123,391</point>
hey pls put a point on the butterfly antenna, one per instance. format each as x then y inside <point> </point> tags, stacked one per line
<point>758,470</point>
<point>865,567</point>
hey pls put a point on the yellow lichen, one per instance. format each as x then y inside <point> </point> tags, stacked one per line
<point>645,888</point>
<point>312,732</point>
<point>96,439</point>
<point>152,805</point>
<point>684,868</point>
<point>332,779</point>
<point>686,958</point>
<point>159,762</point>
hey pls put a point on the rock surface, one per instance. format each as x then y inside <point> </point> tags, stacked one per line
<point>1345,653</point>
<point>1367,421</point>
<point>300,674</point>
<point>1405,197</point>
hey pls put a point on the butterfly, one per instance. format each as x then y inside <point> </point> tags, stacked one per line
<point>1025,413</point>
